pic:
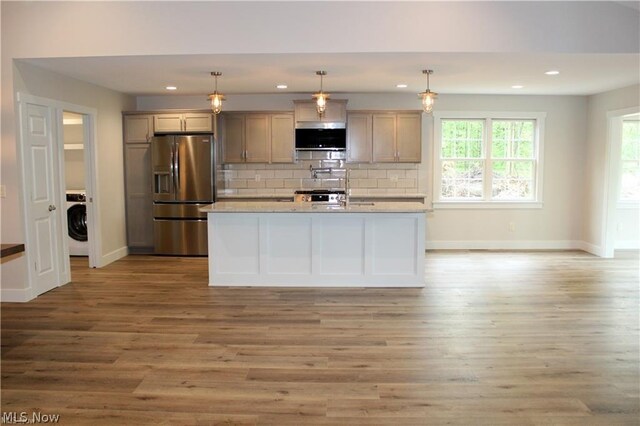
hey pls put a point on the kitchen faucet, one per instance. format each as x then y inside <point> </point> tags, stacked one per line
<point>347,188</point>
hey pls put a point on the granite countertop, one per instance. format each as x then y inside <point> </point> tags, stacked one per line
<point>276,196</point>
<point>291,207</point>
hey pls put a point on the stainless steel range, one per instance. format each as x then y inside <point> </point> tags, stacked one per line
<point>324,196</point>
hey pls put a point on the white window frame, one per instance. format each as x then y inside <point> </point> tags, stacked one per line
<point>488,117</point>
<point>623,203</point>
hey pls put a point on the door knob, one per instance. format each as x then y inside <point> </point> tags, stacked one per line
<point>51,207</point>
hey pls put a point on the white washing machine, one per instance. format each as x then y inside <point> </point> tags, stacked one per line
<point>77,223</point>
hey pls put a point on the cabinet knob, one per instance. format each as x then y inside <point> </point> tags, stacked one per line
<point>51,207</point>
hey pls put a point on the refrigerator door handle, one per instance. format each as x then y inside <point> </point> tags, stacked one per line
<point>176,170</point>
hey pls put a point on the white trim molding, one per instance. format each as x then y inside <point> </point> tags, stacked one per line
<point>487,117</point>
<point>112,256</point>
<point>17,295</point>
<point>505,245</point>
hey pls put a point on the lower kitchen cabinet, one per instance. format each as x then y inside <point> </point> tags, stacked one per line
<point>139,197</point>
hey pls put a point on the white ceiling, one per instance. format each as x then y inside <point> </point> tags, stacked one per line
<point>454,73</point>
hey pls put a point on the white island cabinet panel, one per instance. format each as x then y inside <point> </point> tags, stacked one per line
<point>342,249</point>
<point>237,245</point>
<point>291,245</point>
<point>287,244</point>
<point>394,243</point>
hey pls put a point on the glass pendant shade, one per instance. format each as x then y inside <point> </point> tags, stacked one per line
<point>321,97</point>
<point>428,97</point>
<point>215,97</point>
<point>321,102</point>
<point>216,102</point>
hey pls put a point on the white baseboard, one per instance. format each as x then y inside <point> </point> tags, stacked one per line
<point>505,245</point>
<point>16,295</point>
<point>112,256</point>
<point>591,248</point>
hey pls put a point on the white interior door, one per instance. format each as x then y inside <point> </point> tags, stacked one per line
<point>42,198</point>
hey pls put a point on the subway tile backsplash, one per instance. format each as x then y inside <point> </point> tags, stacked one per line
<point>284,179</point>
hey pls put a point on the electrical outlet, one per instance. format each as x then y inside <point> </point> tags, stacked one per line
<point>257,178</point>
<point>394,178</point>
<point>3,191</point>
<point>512,227</point>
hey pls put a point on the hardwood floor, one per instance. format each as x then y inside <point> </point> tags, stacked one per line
<point>495,338</point>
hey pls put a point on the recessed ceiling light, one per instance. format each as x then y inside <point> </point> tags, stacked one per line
<point>281,86</point>
<point>552,72</point>
<point>171,88</point>
<point>401,86</point>
<point>517,86</point>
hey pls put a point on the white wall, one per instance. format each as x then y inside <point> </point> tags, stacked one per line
<point>596,157</point>
<point>73,157</point>
<point>32,80</point>
<point>627,228</point>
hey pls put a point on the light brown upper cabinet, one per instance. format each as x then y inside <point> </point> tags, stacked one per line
<point>246,138</point>
<point>336,111</point>
<point>282,138</point>
<point>359,141</point>
<point>138,128</point>
<point>183,122</point>
<point>397,137</point>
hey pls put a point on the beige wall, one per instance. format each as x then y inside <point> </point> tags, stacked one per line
<point>595,161</point>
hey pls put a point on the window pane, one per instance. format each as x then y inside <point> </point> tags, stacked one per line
<point>513,139</point>
<point>630,181</point>
<point>631,140</point>
<point>462,138</point>
<point>461,179</point>
<point>512,180</point>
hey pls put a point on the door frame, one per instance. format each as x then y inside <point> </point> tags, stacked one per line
<point>93,217</point>
<point>612,171</point>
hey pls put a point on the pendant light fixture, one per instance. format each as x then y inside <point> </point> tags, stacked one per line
<point>428,97</point>
<point>215,97</point>
<point>321,97</point>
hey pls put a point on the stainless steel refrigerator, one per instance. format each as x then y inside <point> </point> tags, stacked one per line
<point>183,169</point>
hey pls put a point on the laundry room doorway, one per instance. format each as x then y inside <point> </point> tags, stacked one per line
<point>78,235</point>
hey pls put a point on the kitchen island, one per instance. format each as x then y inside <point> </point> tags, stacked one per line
<point>303,244</point>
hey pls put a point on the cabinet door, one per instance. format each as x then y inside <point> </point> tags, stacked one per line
<point>138,128</point>
<point>164,123</point>
<point>409,138</point>
<point>306,111</point>
<point>198,122</point>
<point>233,138</point>
<point>384,138</point>
<point>336,111</point>
<point>282,137</point>
<point>257,138</point>
<point>139,197</point>
<point>359,141</point>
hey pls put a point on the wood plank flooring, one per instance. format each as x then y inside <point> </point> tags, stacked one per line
<point>495,338</point>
